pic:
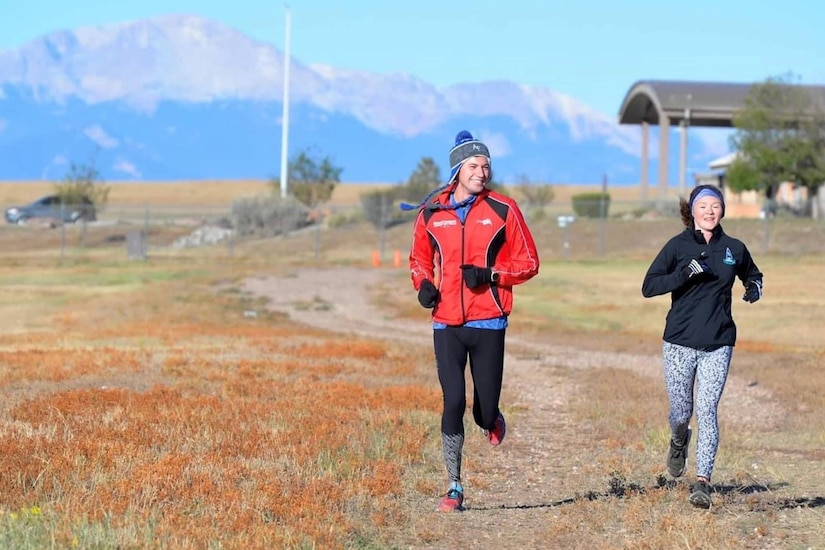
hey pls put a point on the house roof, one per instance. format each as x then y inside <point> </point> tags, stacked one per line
<point>724,161</point>
<point>700,103</point>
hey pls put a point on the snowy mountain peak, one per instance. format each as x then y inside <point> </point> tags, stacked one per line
<point>186,63</point>
<point>191,58</point>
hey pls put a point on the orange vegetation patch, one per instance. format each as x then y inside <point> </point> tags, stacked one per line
<point>29,340</point>
<point>757,346</point>
<point>274,358</point>
<point>253,433</point>
<point>332,349</point>
<point>253,462</point>
<point>170,332</point>
<point>55,364</point>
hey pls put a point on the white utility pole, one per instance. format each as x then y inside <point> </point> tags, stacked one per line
<point>285,115</point>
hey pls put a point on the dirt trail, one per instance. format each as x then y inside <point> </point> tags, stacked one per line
<point>536,468</point>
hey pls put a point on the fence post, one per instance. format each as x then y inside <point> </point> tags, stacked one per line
<point>135,247</point>
<point>602,214</point>
<point>145,226</point>
<point>563,222</point>
<point>316,245</point>
<point>62,231</point>
<point>231,240</point>
<point>382,236</point>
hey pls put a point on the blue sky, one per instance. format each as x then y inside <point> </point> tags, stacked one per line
<point>592,50</point>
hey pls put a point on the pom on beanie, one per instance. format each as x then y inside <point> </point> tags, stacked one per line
<point>463,136</point>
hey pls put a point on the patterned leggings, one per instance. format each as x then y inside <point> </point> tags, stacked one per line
<point>709,369</point>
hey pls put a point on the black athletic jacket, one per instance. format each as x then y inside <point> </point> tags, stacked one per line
<point>700,309</point>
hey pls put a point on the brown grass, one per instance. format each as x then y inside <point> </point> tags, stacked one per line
<point>223,192</point>
<point>240,436</point>
<point>194,193</point>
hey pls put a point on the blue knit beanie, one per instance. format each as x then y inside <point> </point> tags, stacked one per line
<point>466,146</point>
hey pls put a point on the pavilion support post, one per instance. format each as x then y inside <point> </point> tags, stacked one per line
<point>643,184</point>
<point>683,145</point>
<point>664,146</point>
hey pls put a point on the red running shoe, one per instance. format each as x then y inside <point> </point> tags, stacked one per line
<point>452,501</point>
<point>496,435</point>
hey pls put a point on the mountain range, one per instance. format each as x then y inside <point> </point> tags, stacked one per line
<point>185,97</point>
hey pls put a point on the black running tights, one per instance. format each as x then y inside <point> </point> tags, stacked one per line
<point>485,349</point>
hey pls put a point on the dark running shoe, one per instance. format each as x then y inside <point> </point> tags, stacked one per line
<point>451,502</point>
<point>700,494</point>
<point>496,435</point>
<point>677,457</point>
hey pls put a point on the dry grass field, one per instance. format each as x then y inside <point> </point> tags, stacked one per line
<point>281,394</point>
<point>222,192</point>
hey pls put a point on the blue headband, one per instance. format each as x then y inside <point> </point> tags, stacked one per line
<point>707,193</point>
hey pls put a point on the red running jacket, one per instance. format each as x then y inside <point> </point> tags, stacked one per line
<point>494,235</point>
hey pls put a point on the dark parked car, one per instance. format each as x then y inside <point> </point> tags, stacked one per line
<point>51,207</point>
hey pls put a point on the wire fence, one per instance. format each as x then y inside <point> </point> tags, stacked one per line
<point>627,229</point>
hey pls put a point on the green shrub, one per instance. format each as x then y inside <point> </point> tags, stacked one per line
<point>537,196</point>
<point>268,216</point>
<point>82,187</point>
<point>591,205</point>
<point>381,209</point>
<point>536,213</point>
<point>344,218</point>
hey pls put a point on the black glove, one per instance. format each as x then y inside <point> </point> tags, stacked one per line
<point>697,266</point>
<point>753,291</point>
<point>427,294</point>
<point>475,276</point>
